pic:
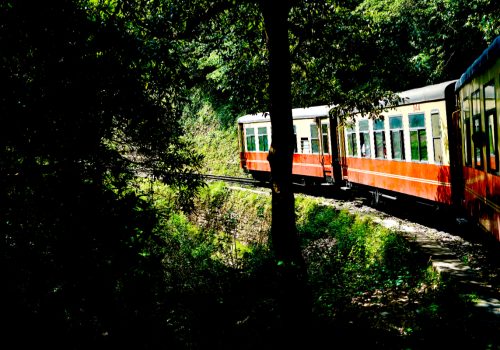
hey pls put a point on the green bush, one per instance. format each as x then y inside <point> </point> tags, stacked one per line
<point>348,256</point>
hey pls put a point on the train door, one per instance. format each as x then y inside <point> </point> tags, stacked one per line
<point>344,150</point>
<point>241,143</point>
<point>337,146</point>
<point>456,162</point>
<point>318,143</point>
<point>454,125</point>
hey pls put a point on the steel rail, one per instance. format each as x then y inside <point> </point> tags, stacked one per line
<point>234,179</point>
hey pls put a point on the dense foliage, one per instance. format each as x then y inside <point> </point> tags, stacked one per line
<point>85,104</point>
<point>92,96</point>
<point>349,53</point>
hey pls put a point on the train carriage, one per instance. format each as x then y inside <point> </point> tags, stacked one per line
<point>312,155</point>
<point>478,91</point>
<point>405,150</point>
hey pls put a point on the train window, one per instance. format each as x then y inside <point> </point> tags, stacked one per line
<point>477,130</point>
<point>378,137</point>
<point>467,129</point>
<point>294,139</point>
<point>324,133</point>
<point>397,137</point>
<point>250,136</point>
<point>314,138</point>
<point>491,124</point>
<point>436,137</point>
<point>304,145</point>
<point>477,143</point>
<point>364,138</point>
<point>418,137</point>
<point>489,96</point>
<point>352,142</point>
<point>263,143</point>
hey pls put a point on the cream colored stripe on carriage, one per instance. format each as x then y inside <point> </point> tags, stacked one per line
<point>401,177</point>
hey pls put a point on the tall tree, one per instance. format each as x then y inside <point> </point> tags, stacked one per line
<point>234,42</point>
<point>295,301</point>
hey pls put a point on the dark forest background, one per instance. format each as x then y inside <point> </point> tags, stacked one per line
<point>93,97</point>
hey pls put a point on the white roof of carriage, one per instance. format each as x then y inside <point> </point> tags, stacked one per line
<point>425,94</point>
<point>297,113</point>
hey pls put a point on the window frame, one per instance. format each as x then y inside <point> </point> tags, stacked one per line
<point>400,131</point>
<point>467,131</point>
<point>437,139</point>
<point>303,141</point>
<point>379,131</point>
<point>263,139</point>
<point>491,112</point>
<point>313,131</point>
<point>325,138</point>
<point>351,142</point>
<point>252,137</point>
<point>477,128</point>
<point>421,133</point>
<point>363,134</point>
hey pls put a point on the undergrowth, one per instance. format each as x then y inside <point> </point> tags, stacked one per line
<point>361,275</point>
<point>350,256</point>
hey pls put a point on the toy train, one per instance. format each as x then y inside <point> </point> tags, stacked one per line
<point>440,144</point>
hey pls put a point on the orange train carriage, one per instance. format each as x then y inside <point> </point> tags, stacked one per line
<point>425,148</point>
<point>478,91</point>
<point>405,151</point>
<point>311,159</point>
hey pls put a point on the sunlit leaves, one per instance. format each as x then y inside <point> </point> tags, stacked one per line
<point>436,39</point>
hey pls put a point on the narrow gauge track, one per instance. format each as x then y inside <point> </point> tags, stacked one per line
<point>235,179</point>
<point>313,190</point>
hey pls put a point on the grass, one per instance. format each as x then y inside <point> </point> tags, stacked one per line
<point>219,145</point>
<point>364,279</point>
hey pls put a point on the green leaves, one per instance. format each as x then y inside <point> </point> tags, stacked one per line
<point>90,98</point>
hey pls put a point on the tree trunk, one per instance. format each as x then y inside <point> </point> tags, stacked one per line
<point>293,299</point>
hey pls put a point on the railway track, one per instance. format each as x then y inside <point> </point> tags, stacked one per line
<point>313,190</point>
<point>299,187</point>
<point>235,179</point>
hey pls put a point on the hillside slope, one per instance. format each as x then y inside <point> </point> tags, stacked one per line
<point>217,143</point>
